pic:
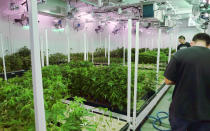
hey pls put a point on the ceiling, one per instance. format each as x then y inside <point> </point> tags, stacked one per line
<point>181,6</point>
<point>58,8</point>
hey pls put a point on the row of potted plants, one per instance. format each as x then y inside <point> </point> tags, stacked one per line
<point>104,85</point>
<point>21,60</point>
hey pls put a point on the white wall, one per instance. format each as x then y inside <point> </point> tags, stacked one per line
<point>18,37</point>
<point>14,37</point>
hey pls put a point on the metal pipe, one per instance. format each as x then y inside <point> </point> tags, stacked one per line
<point>129,72</point>
<point>124,51</point>
<point>90,3</point>
<point>85,42</point>
<point>68,49</point>
<point>99,3</point>
<point>36,68</point>
<point>87,49</point>
<point>146,44</point>
<point>92,51</point>
<point>42,51</point>
<point>105,46</point>
<point>100,38</point>
<point>158,54</point>
<point>176,42</point>
<point>2,49</point>
<point>169,55</point>
<point>109,50</point>
<point>136,74</point>
<point>68,42</point>
<point>93,57</point>
<point>47,50</point>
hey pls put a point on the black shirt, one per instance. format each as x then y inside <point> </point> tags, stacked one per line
<point>190,70</point>
<point>183,46</point>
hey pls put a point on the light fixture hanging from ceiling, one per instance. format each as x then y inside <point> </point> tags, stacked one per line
<point>13,5</point>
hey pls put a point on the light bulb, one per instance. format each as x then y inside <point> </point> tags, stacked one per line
<point>206,15</point>
<point>205,1</point>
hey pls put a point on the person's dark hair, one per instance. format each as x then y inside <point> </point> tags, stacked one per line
<point>202,36</point>
<point>181,37</point>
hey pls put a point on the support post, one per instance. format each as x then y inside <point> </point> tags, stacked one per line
<point>109,50</point>
<point>176,42</point>
<point>100,39</point>
<point>47,49</point>
<point>105,46</point>
<point>42,50</point>
<point>152,44</point>
<point>129,73</point>
<point>136,74</point>
<point>12,46</point>
<point>170,46</point>
<point>158,54</point>
<point>85,42</point>
<point>36,68</point>
<point>87,49</point>
<point>92,50</point>
<point>146,43</point>
<point>99,3</point>
<point>124,51</point>
<point>2,50</point>
<point>68,42</point>
<point>68,50</point>
<point>93,57</point>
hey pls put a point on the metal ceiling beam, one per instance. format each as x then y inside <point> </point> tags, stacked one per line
<point>193,1</point>
<point>52,14</point>
<point>89,3</point>
<point>116,7</point>
<point>100,3</point>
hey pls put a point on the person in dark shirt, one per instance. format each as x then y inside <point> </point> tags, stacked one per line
<point>189,70</point>
<point>183,44</point>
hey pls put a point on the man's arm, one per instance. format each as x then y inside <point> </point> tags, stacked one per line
<point>169,82</point>
<point>188,44</point>
<point>171,72</point>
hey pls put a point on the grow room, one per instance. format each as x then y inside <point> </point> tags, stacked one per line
<point>90,65</point>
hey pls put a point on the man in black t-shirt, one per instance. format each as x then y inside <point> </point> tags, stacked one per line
<point>189,70</point>
<point>183,43</point>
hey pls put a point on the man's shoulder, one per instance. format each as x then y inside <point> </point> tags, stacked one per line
<point>188,44</point>
<point>179,45</point>
<point>189,51</point>
<point>182,52</point>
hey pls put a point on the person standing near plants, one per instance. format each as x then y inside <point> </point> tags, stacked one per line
<point>183,44</point>
<point>189,71</point>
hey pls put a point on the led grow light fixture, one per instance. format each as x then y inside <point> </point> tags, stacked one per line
<point>58,30</point>
<point>205,1</point>
<point>26,27</point>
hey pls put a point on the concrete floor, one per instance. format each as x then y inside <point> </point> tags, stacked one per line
<point>163,105</point>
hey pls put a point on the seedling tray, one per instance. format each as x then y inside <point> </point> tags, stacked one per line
<point>94,107</point>
<point>13,74</point>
